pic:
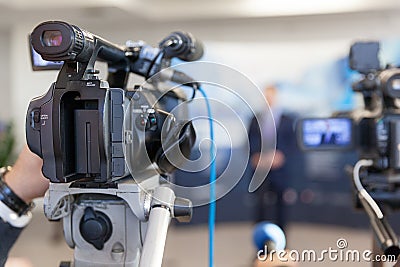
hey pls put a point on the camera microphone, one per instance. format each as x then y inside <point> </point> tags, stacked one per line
<point>182,45</point>
<point>145,62</point>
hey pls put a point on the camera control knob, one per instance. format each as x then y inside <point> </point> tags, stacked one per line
<point>95,227</point>
<point>183,209</point>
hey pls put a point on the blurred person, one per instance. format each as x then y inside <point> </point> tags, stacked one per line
<point>278,178</point>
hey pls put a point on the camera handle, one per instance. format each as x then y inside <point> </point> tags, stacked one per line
<point>386,237</point>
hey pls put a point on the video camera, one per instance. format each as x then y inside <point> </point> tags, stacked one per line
<point>374,132</point>
<point>77,127</point>
<point>105,147</point>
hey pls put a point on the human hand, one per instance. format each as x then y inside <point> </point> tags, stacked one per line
<point>18,262</point>
<point>26,178</point>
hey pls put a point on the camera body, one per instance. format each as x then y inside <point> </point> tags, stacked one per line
<point>79,131</point>
<point>379,140</point>
<point>84,130</point>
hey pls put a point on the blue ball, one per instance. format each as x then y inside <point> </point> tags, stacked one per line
<point>265,231</point>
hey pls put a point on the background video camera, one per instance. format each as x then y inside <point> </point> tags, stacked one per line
<point>374,132</point>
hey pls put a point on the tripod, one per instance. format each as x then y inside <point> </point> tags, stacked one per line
<point>385,236</point>
<point>121,226</point>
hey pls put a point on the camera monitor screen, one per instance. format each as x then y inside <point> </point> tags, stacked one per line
<point>38,63</point>
<point>328,133</point>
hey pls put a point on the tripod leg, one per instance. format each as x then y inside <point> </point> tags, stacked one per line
<point>375,251</point>
<point>153,248</point>
<point>164,206</point>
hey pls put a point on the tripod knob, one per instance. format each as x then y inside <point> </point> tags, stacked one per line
<point>183,209</point>
<point>95,227</point>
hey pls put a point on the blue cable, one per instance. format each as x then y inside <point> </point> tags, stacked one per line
<point>213,177</point>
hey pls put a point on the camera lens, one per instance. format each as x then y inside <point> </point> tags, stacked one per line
<point>52,38</point>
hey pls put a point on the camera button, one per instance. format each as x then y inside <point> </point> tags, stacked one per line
<point>36,116</point>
